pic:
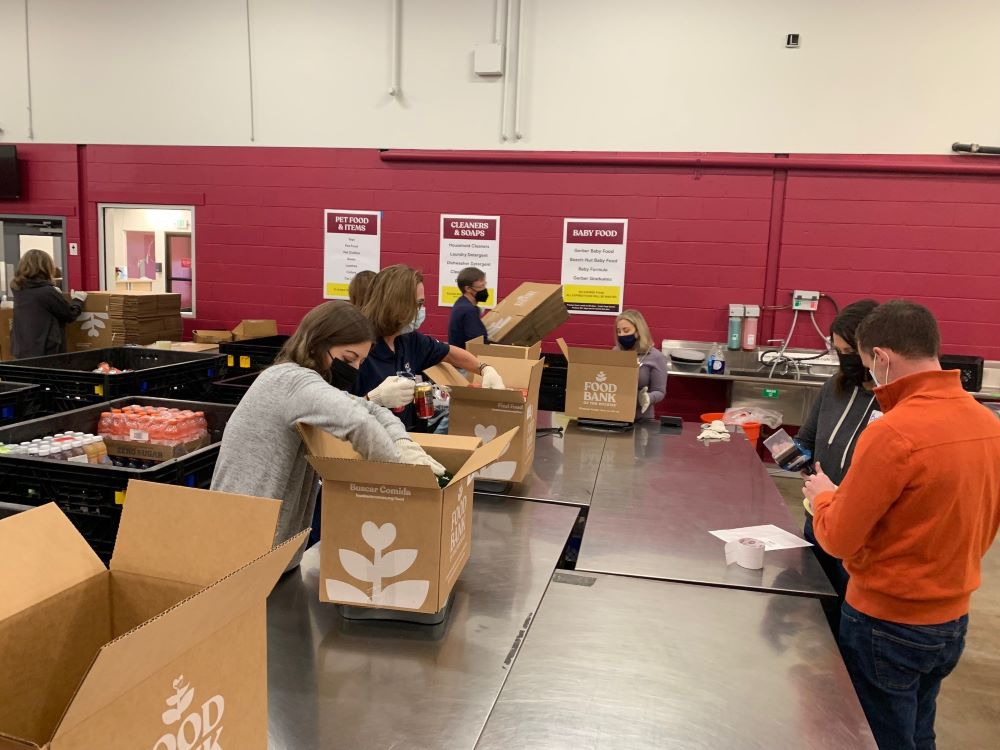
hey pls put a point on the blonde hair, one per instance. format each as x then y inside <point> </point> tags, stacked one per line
<point>644,339</point>
<point>392,299</point>
<point>330,324</point>
<point>35,265</point>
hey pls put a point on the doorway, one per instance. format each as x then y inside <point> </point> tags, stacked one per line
<point>180,264</point>
<point>19,234</point>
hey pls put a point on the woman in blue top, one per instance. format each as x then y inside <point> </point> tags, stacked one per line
<point>395,306</point>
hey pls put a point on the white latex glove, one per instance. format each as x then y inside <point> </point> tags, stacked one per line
<point>491,378</point>
<point>82,296</point>
<point>393,392</point>
<point>644,399</point>
<point>411,453</point>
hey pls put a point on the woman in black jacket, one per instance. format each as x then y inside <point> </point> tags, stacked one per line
<point>40,309</point>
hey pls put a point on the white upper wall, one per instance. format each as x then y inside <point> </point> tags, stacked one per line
<point>883,76</point>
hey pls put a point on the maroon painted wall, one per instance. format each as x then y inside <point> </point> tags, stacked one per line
<point>699,237</point>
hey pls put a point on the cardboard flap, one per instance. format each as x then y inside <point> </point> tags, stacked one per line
<point>488,395</point>
<point>481,350</point>
<point>486,455</point>
<point>189,535</point>
<point>563,348</point>
<point>516,373</point>
<point>41,554</point>
<point>431,441</point>
<point>135,656</point>
<point>446,374</point>
<point>255,329</point>
<point>366,472</point>
<point>321,443</point>
<point>9,743</point>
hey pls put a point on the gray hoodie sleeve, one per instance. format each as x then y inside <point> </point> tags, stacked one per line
<point>807,432</point>
<point>314,401</point>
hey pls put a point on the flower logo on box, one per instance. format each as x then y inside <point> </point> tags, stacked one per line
<point>599,390</point>
<point>92,322</point>
<point>497,325</point>
<point>198,730</point>
<point>402,594</point>
<point>501,470</point>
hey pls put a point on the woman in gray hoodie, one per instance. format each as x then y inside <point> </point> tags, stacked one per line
<point>845,406</point>
<point>262,453</point>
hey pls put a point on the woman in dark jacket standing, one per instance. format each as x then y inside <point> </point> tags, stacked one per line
<point>40,309</point>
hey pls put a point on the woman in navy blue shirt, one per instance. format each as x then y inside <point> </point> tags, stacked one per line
<point>395,306</point>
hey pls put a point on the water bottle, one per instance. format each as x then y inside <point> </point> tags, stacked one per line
<point>717,361</point>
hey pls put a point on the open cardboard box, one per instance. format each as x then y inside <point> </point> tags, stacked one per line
<point>153,451</point>
<point>6,328</point>
<point>481,349</point>
<point>392,537</point>
<point>487,412</point>
<point>601,383</point>
<point>166,649</point>
<point>205,336</point>
<point>527,315</point>
<point>255,329</point>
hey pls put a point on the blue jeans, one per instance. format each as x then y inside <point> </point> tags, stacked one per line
<point>897,672</point>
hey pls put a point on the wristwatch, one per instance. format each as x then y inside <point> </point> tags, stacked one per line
<point>482,366</point>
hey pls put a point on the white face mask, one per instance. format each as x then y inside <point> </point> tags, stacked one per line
<point>879,383</point>
<point>414,324</point>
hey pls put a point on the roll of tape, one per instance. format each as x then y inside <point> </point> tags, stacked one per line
<point>747,553</point>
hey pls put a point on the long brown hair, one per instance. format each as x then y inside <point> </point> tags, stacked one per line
<point>35,265</point>
<point>392,299</point>
<point>331,324</point>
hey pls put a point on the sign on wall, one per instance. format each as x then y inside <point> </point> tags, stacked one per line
<point>352,242</point>
<point>593,265</point>
<point>468,241</point>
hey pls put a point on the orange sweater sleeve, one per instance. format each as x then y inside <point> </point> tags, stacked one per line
<point>844,520</point>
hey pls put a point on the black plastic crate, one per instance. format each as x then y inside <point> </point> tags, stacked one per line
<point>90,494</point>
<point>232,390</point>
<point>69,381</point>
<point>252,354</point>
<point>18,401</point>
<point>552,390</point>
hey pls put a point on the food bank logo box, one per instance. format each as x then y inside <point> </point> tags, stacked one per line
<point>601,384</point>
<point>164,650</point>
<point>400,543</point>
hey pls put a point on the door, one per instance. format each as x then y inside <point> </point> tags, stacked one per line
<point>179,267</point>
<point>19,234</point>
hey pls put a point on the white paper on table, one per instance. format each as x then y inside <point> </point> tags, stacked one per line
<point>770,535</point>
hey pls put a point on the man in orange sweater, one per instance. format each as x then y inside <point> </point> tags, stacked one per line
<point>912,520</point>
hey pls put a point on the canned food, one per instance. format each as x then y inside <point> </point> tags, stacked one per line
<point>423,399</point>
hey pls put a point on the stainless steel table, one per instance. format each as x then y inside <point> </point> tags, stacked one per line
<point>337,684</point>
<point>658,496</point>
<point>565,468</point>
<point>613,662</point>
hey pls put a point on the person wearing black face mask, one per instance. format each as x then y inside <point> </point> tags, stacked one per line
<point>632,334</point>
<point>841,412</point>
<point>262,454</point>
<point>465,322</point>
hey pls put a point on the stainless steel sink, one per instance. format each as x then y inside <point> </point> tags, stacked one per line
<point>780,373</point>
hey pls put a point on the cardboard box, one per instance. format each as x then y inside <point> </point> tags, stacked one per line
<point>211,337</point>
<point>189,346</point>
<point>255,329</point>
<point>485,413</point>
<point>151,451</point>
<point>123,318</point>
<point>6,326</point>
<point>92,329</point>
<point>392,538</point>
<point>480,349</point>
<point>166,649</point>
<point>601,383</point>
<point>527,315</point>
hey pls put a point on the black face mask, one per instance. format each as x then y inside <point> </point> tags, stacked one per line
<point>482,295</point>
<point>627,342</point>
<point>852,369</point>
<point>342,375</point>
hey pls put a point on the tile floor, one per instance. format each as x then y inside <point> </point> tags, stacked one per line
<point>969,705</point>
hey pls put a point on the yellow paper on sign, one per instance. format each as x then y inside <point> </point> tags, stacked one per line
<point>338,290</point>
<point>230,361</point>
<point>588,294</point>
<point>99,390</point>
<point>244,362</point>
<point>450,295</point>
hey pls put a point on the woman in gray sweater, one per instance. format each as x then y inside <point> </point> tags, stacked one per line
<point>845,406</point>
<point>262,453</point>
<point>632,334</point>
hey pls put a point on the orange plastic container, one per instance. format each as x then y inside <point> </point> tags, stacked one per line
<point>752,431</point>
<point>711,416</point>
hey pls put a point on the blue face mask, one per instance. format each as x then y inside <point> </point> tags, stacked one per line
<point>414,324</point>
<point>627,342</point>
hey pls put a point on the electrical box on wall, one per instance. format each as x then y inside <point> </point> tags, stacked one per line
<point>487,59</point>
<point>808,301</point>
